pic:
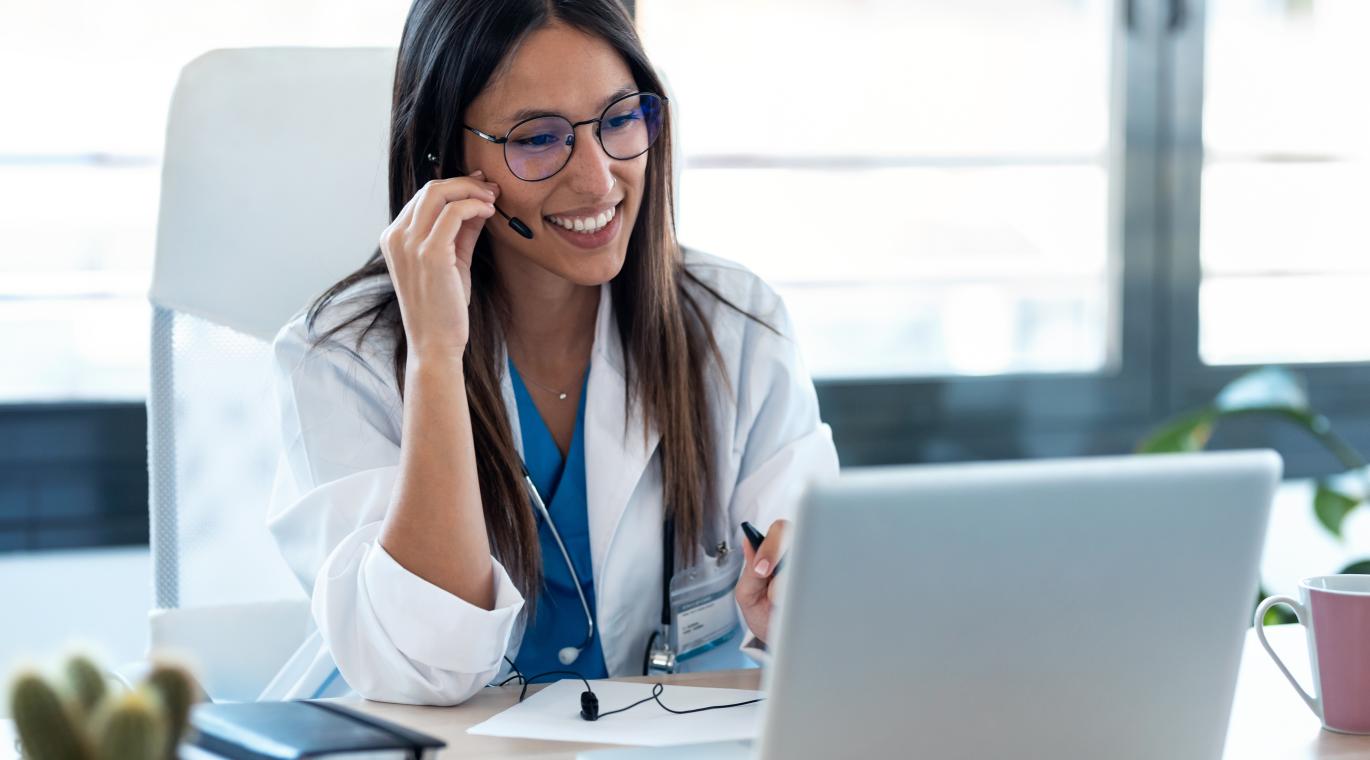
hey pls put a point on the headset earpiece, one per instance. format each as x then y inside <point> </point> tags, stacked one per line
<point>589,705</point>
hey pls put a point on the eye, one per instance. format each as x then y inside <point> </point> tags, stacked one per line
<point>623,120</point>
<point>537,141</point>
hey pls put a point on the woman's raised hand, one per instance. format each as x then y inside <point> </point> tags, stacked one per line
<point>428,252</point>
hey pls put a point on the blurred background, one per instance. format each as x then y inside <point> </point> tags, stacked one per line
<point>1004,228</point>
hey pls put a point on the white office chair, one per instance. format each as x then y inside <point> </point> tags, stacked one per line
<point>273,187</point>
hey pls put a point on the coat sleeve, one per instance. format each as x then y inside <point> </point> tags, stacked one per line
<point>394,636</point>
<point>784,443</point>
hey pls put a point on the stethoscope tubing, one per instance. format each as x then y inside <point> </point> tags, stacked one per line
<point>566,557</point>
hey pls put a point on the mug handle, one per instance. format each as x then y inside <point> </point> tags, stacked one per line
<point>1300,614</point>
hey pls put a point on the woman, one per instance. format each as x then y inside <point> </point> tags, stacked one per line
<point>529,304</point>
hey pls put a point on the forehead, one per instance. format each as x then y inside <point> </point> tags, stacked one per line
<point>557,69</point>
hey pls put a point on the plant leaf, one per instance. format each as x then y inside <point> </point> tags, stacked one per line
<point>1189,432</point>
<point>1265,388</point>
<point>1358,568</point>
<point>1332,507</point>
<point>1276,615</point>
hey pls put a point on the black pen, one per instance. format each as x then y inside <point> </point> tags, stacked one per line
<point>755,537</point>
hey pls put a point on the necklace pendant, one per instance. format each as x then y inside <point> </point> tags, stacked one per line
<point>562,397</point>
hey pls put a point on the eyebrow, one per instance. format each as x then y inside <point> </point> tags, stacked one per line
<point>529,113</point>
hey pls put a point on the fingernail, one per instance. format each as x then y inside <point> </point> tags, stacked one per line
<point>478,173</point>
<point>762,567</point>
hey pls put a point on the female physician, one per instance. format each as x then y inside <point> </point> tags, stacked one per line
<point>530,311</point>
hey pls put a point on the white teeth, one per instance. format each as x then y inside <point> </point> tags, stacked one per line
<point>586,225</point>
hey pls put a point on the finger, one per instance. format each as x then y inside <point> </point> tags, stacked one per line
<point>776,585</point>
<point>434,197</point>
<point>771,550</point>
<point>399,226</point>
<point>453,221</point>
<point>470,231</point>
<point>749,585</point>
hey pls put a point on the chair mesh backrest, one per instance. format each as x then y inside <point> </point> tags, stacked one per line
<point>213,442</point>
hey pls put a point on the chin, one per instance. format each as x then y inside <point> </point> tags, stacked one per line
<point>595,269</point>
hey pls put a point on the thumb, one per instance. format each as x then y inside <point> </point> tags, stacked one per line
<point>771,550</point>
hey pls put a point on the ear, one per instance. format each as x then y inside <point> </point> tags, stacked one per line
<point>437,166</point>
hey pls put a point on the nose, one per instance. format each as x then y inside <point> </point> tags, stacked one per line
<point>590,170</point>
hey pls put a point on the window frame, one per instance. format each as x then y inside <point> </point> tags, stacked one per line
<point>1034,415</point>
<point>1336,389</point>
<point>1155,372</point>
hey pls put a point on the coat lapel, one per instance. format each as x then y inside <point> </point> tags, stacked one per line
<point>615,456</point>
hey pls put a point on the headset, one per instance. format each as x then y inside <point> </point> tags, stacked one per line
<point>659,655</point>
<point>514,222</point>
<point>589,703</point>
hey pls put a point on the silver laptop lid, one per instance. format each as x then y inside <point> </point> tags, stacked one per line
<point>1061,608</point>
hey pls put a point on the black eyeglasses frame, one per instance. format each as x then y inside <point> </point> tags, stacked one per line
<point>571,137</point>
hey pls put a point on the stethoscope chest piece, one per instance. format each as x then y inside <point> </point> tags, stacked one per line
<point>661,658</point>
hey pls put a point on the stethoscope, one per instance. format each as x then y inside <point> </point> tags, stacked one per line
<point>659,657</point>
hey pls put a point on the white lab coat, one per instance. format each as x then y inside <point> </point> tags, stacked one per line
<point>395,637</point>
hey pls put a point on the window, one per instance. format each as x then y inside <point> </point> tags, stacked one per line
<point>1005,228</point>
<point>926,183</point>
<point>85,97</point>
<point>1286,176</point>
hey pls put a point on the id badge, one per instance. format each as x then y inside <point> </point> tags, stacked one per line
<point>702,607</point>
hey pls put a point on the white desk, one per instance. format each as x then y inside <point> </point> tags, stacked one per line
<point>1268,719</point>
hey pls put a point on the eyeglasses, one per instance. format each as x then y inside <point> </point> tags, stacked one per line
<point>539,147</point>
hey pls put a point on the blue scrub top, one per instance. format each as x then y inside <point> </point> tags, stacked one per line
<point>560,620</point>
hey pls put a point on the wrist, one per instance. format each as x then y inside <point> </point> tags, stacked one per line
<point>436,365</point>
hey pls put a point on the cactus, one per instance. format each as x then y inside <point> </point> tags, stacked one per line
<point>86,722</point>
<point>131,726</point>
<point>86,683</point>
<point>178,692</point>
<point>47,729</point>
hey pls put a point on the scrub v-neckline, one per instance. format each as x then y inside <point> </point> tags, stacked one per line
<point>546,464</point>
<point>561,482</point>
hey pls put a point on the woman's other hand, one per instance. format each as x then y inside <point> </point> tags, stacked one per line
<point>757,588</point>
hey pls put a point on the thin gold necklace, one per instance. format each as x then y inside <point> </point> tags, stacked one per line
<point>561,395</point>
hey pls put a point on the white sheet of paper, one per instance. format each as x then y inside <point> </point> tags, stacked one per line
<point>554,713</point>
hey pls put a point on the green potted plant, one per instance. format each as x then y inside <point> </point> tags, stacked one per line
<point>1279,395</point>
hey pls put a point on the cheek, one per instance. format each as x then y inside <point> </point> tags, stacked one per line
<point>633,178</point>
<point>521,199</point>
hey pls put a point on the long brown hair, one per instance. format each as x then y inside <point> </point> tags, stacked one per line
<point>449,50</point>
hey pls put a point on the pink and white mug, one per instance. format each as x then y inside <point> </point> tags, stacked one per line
<point>1335,611</point>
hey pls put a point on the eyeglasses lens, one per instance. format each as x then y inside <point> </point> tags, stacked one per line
<point>539,148</point>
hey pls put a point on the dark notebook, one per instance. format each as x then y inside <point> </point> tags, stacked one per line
<point>300,729</point>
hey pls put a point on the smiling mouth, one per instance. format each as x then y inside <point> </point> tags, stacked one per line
<point>587,225</point>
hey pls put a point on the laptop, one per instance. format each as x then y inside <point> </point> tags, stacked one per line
<point>1070,608</point>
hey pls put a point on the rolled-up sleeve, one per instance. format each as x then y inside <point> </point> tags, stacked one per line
<point>394,636</point>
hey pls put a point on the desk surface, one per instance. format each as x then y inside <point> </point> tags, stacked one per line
<point>1268,718</point>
